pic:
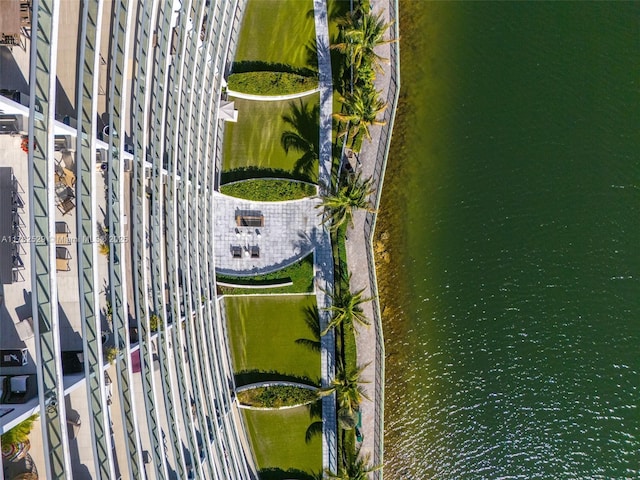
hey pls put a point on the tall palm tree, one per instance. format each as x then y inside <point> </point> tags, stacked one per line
<point>340,206</point>
<point>362,107</point>
<point>361,34</point>
<point>346,307</point>
<point>357,467</point>
<point>348,387</point>
<point>304,137</point>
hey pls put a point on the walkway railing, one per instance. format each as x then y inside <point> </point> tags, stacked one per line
<point>369,230</point>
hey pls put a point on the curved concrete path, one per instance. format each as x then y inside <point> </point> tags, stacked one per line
<point>271,98</point>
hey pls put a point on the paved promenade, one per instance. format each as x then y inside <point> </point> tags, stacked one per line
<point>357,246</point>
<point>323,263</point>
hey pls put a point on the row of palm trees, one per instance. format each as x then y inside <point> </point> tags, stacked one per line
<point>361,32</point>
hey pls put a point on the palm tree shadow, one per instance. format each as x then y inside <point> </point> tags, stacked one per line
<point>315,428</point>
<point>304,136</point>
<point>311,52</point>
<point>312,319</point>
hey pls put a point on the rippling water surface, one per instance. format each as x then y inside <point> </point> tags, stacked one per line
<point>511,212</point>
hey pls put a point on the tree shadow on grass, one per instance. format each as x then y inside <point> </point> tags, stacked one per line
<point>290,474</point>
<point>312,319</point>
<point>315,428</point>
<point>304,136</point>
<point>248,377</point>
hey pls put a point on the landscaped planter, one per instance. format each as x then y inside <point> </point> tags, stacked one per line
<point>277,396</point>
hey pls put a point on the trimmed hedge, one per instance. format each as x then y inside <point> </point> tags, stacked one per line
<point>270,83</point>
<point>276,396</point>
<point>269,190</point>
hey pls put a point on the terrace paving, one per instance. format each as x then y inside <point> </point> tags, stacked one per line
<point>288,234</point>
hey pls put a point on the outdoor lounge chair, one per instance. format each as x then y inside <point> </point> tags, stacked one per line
<point>66,206</point>
<point>62,259</point>
<point>62,234</point>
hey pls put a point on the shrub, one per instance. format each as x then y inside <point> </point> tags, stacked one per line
<point>111,354</point>
<point>277,396</point>
<point>155,323</point>
<point>19,433</point>
<point>270,83</point>
<point>104,249</point>
<point>269,190</point>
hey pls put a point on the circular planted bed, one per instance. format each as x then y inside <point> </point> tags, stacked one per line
<point>277,396</point>
<point>269,189</point>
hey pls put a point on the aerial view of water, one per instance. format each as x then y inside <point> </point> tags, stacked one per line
<point>511,209</point>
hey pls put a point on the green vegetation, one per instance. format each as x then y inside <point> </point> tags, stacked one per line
<point>263,331</point>
<point>351,195</point>
<point>269,190</point>
<point>155,323</point>
<point>278,31</point>
<point>346,307</point>
<point>300,273</point>
<point>19,433</point>
<point>360,32</point>
<point>111,353</point>
<point>279,440</point>
<point>355,467</point>
<point>270,83</point>
<point>304,136</point>
<point>255,140</point>
<point>348,387</point>
<point>276,396</point>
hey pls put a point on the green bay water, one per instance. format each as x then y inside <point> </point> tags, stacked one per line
<point>511,212</point>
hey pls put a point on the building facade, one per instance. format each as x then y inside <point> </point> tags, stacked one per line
<point>110,141</point>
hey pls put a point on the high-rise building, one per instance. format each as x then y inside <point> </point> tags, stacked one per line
<point>110,141</point>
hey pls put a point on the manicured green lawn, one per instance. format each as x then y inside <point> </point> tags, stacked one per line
<point>277,31</point>
<point>278,439</point>
<point>255,139</point>
<point>263,331</point>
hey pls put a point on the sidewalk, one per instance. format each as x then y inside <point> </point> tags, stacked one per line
<point>357,246</point>
<point>323,258</point>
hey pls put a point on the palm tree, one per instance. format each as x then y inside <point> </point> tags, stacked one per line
<point>304,137</point>
<point>348,387</point>
<point>362,107</point>
<point>340,206</point>
<point>346,307</point>
<point>361,34</point>
<point>357,467</point>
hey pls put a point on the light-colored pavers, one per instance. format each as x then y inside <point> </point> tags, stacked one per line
<point>288,234</point>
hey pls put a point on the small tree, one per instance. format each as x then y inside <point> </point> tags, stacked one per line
<point>155,323</point>
<point>111,353</point>
<point>19,433</point>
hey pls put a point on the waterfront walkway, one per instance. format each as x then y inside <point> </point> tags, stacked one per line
<point>323,260</point>
<point>357,246</point>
